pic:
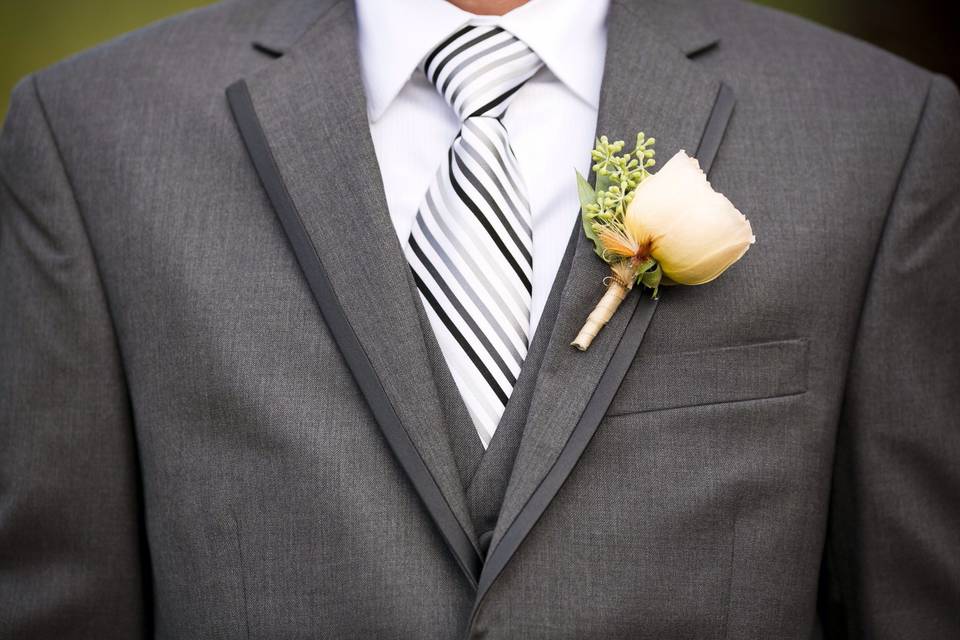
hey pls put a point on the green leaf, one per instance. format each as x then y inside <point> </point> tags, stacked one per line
<point>645,267</point>
<point>651,279</point>
<point>588,197</point>
<point>586,193</point>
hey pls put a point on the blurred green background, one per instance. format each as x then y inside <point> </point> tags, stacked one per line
<point>36,33</point>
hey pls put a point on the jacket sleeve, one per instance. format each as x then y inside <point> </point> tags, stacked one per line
<point>892,556</point>
<point>70,539</point>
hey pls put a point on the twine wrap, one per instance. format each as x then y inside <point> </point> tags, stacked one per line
<point>617,290</point>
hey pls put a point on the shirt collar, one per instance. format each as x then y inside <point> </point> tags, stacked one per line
<point>569,36</point>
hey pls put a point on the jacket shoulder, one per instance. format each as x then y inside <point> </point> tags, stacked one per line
<point>777,46</point>
<point>182,54</point>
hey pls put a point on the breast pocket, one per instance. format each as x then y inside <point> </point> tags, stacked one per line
<point>713,376</point>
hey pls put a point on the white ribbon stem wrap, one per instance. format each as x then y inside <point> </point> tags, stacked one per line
<point>602,313</point>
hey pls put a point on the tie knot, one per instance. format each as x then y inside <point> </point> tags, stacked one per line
<point>479,68</point>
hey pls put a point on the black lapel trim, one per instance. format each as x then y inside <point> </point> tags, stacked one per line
<point>716,127</point>
<point>606,388</point>
<point>266,50</point>
<point>457,540</point>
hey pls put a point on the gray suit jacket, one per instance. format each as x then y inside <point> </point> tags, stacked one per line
<point>217,417</point>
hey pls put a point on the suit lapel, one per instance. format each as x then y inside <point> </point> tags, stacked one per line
<point>303,120</point>
<point>649,84</point>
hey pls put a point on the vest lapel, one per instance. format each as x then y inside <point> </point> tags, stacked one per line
<point>303,120</point>
<point>649,84</point>
<point>488,484</point>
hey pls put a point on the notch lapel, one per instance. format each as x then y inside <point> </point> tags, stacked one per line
<point>303,120</point>
<point>649,84</point>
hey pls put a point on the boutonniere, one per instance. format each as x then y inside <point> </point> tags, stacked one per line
<point>654,229</point>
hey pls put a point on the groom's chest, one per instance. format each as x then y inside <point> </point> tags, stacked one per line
<point>209,297</point>
<point>243,400</point>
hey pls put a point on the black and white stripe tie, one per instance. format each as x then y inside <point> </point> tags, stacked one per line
<point>471,244</point>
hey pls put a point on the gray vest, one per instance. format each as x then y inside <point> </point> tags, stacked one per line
<point>485,474</point>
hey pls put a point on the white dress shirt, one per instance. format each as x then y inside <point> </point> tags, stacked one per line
<point>551,120</point>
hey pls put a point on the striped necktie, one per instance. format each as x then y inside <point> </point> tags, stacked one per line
<point>471,244</point>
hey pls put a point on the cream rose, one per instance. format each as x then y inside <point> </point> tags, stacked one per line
<point>693,232</point>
